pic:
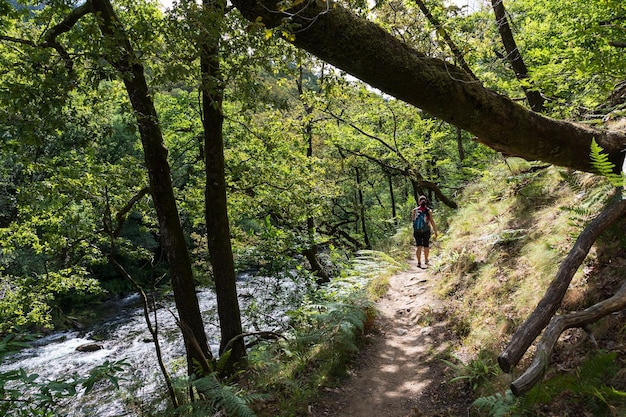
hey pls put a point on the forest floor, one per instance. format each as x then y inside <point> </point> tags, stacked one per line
<point>400,372</point>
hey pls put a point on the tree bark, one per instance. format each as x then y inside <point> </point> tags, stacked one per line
<point>459,144</point>
<point>155,154</point>
<point>216,207</point>
<point>371,54</point>
<point>557,325</point>
<point>361,204</point>
<point>312,251</point>
<point>392,197</point>
<point>534,97</point>
<point>458,56</point>
<point>540,317</point>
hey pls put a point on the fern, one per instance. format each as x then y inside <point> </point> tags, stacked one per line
<point>586,384</point>
<point>217,396</point>
<point>497,405</point>
<point>601,164</point>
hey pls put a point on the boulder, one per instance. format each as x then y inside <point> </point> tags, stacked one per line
<point>89,347</point>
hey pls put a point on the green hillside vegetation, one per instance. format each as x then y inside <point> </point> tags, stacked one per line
<point>501,250</point>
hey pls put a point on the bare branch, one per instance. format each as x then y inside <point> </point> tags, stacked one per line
<point>121,215</point>
<point>541,316</point>
<point>557,325</point>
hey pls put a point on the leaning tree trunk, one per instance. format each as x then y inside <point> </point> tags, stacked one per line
<point>547,307</point>
<point>155,154</point>
<point>216,207</point>
<point>558,325</point>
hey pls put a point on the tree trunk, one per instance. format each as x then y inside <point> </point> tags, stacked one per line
<point>458,56</point>
<point>155,153</point>
<point>216,210</point>
<point>558,325</point>
<point>361,204</point>
<point>394,214</point>
<point>535,100</point>
<point>459,144</point>
<point>371,54</point>
<point>311,252</point>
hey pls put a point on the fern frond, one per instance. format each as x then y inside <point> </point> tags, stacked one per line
<point>224,397</point>
<point>601,164</point>
<point>497,405</point>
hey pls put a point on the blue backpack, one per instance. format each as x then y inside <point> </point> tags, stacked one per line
<point>420,223</point>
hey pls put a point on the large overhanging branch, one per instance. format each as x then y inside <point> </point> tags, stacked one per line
<point>541,316</point>
<point>368,52</point>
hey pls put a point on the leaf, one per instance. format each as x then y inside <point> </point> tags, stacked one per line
<point>601,164</point>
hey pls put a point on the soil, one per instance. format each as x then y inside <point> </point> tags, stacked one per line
<point>400,372</point>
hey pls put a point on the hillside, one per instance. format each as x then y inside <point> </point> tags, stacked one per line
<point>501,251</point>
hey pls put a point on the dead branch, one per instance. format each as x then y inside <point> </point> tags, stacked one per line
<point>262,335</point>
<point>557,325</point>
<point>541,316</point>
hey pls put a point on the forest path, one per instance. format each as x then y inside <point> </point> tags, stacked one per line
<point>399,373</point>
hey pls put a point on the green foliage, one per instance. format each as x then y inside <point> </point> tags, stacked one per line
<point>602,165</point>
<point>498,405</point>
<point>215,397</point>
<point>587,384</point>
<point>475,372</point>
<point>25,395</point>
<point>325,336</point>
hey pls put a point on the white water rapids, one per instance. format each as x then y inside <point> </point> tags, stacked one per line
<point>124,335</point>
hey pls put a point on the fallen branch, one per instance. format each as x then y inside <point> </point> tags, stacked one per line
<point>262,335</point>
<point>557,325</point>
<point>551,301</point>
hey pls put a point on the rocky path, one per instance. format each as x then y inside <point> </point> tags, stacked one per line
<point>400,373</point>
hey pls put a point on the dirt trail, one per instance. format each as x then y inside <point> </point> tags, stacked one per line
<point>400,373</point>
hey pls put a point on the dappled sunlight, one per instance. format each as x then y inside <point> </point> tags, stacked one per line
<point>401,369</point>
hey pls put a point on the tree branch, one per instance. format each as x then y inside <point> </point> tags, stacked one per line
<point>534,97</point>
<point>50,37</point>
<point>368,52</point>
<point>557,325</point>
<point>409,170</point>
<point>120,217</point>
<point>541,316</point>
<point>458,56</point>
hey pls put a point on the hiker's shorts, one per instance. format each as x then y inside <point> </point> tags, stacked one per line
<point>422,238</point>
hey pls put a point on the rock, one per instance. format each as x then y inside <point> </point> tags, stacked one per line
<point>89,347</point>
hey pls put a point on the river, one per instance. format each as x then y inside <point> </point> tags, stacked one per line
<point>123,335</point>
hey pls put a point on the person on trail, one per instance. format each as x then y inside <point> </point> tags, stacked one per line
<point>422,218</point>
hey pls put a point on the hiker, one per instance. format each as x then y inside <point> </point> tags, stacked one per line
<point>422,218</point>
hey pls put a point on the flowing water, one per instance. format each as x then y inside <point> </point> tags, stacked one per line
<point>124,335</point>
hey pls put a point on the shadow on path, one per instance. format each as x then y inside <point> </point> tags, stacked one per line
<point>400,373</point>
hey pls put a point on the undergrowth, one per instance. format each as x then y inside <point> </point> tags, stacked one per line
<point>499,254</point>
<point>326,331</point>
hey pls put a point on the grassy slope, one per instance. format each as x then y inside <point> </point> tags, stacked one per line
<point>502,249</point>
